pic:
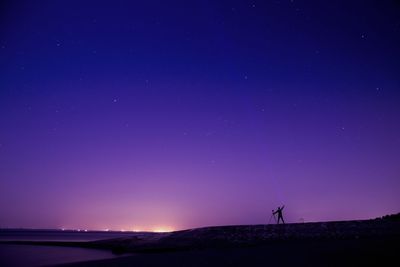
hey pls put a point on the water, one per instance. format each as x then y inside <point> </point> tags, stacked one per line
<point>58,235</point>
<point>27,255</point>
<point>24,255</point>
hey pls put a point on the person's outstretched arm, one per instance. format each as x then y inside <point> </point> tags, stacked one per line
<point>282,207</point>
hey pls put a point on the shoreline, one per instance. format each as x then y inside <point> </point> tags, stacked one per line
<point>234,236</point>
<point>359,243</point>
<point>349,252</point>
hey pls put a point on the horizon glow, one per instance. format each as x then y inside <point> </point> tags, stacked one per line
<point>165,116</point>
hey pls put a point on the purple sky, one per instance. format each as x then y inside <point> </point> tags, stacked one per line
<point>159,116</point>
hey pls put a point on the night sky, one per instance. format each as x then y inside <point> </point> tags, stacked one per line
<point>165,115</point>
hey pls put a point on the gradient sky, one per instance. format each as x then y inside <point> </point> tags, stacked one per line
<point>167,115</point>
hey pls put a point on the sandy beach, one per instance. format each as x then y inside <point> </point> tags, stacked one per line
<point>362,252</point>
<point>343,243</point>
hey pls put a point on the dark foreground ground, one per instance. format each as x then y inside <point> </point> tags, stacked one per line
<point>360,252</point>
<point>350,243</point>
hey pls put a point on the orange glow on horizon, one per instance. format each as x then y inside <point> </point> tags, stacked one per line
<point>162,229</point>
<point>123,228</point>
<point>154,230</point>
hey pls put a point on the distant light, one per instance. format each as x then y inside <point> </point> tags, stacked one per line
<point>162,230</point>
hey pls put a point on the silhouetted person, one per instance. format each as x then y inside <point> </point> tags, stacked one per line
<point>279,212</point>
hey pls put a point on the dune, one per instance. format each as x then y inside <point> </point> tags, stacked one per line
<point>342,243</point>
